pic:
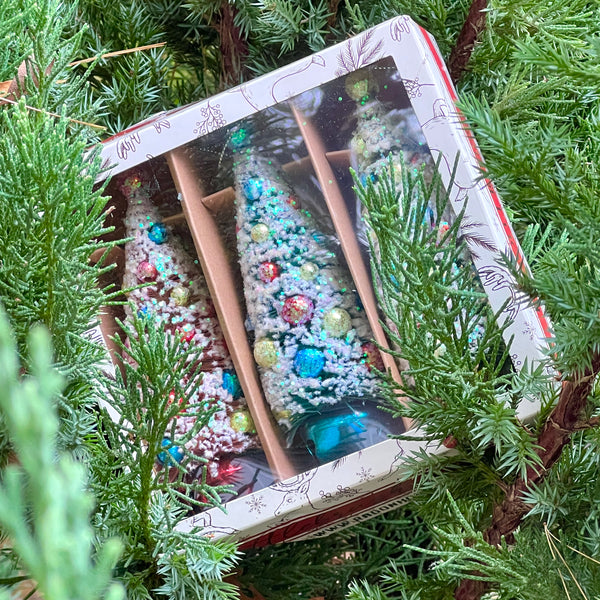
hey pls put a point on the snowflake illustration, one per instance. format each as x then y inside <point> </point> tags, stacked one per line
<point>211,118</point>
<point>364,475</point>
<point>255,504</point>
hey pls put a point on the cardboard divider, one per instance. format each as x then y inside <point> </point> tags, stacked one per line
<point>346,236</point>
<point>225,295</point>
<point>108,314</point>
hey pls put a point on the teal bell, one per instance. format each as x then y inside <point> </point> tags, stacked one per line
<point>336,435</point>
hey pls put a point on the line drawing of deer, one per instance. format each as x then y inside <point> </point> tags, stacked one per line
<point>294,490</point>
<point>204,520</point>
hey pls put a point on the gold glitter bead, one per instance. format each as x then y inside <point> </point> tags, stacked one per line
<point>241,421</point>
<point>260,233</point>
<point>265,353</point>
<point>180,295</point>
<point>308,271</point>
<point>283,415</point>
<point>359,145</point>
<point>337,322</point>
<point>360,84</point>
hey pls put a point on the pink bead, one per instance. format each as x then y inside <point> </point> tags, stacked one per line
<point>297,310</point>
<point>146,271</point>
<point>268,271</point>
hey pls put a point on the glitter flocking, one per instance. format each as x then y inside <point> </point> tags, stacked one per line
<point>309,335</point>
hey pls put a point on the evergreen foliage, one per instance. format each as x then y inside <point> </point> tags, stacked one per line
<point>531,94</point>
<point>50,213</point>
<point>43,504</point>
<point>135,502</point>
<point>52,220</point>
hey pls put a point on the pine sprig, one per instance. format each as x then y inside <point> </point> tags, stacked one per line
<point>137,502</point>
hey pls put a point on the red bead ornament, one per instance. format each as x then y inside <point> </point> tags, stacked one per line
<point>146,271</point>
<point>293,202</point>
<point>297,310</point>
<point>227,473</point>
<point>186,335</point>
<point>180,402</point>
<point>268,271</point>
<point>372,357</point>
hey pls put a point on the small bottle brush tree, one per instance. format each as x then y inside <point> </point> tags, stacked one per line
<point>175,297</point>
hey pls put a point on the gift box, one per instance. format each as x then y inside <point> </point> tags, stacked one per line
<point>255,184</point>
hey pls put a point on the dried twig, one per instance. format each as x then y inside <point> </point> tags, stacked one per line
<point>46,112</point>
<point>468,36</point>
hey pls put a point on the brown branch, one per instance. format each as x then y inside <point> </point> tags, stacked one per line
<point>468,36</point>
<point>333,6</point>
<point>233,46</point>
<point>555,435</point>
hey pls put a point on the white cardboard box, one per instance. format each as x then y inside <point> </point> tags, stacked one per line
<point>366,483</point>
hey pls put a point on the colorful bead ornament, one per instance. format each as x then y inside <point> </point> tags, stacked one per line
<point>144,313</point>
<point>337,322</point>
<point>158,233</point>
<point>308,271</point>
<point>173,397</point>
<point>293,202</point>
<point>268,271</point>
<point>372,357</point>
<point>282,415</point>
<point>260,233</point>
<point>241,421</point>
<point>297,310</point>
<point>180,295</point>
<point>174,453</point>
<point>231,384</point>
<point>238,137</point>
<point>265,353</point>
<point>186,333</point>
<point>253,189</point>
<point>309,362</point>
<point>360,84</point>
<point>146,271</point>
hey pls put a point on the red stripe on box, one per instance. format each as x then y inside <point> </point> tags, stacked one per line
<point>317,521</point>
<point>510,235</point>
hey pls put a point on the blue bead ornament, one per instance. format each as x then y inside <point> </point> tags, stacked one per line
<point>337,435</point>
<point>429,217</point>
<point>174,453</point>
<point>373,177</point>
<point>144,313</point>
<point>158,233</point>
<point>309,362</point>
<point>253,189</point>
<point>231,384</point>
<point>239,137</point>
